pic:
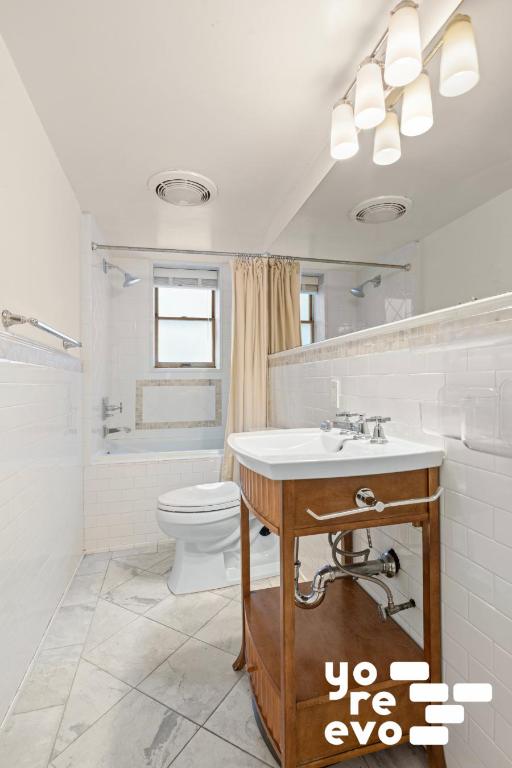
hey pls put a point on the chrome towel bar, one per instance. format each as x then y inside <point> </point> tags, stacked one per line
<point>10,318</point>
<point>379,506</point>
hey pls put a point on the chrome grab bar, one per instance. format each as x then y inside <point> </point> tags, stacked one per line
<point>10,318</point>
<point>379,506</point>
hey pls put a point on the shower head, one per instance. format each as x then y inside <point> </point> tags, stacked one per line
<point>128,279</point>
<point>358,291</point>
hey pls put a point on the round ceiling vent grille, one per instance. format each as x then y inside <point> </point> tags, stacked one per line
<point>183,188</point>
<point>380,210</point>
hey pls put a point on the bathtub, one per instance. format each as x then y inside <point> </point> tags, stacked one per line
<point>122,485</point>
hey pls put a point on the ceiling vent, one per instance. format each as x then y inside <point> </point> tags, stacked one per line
<point>380,210</point>
<point>183,188</point>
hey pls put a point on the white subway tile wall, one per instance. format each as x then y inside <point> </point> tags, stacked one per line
<point>121,496</point>
<point>476,516</point>
<point>41,516</point>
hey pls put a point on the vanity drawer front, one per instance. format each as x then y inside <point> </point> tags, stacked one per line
<point>338,495</point>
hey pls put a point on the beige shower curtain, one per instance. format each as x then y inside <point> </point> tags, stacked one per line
<point>266,319</point>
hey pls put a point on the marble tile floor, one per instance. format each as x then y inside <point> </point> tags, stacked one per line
<point>131,676</point>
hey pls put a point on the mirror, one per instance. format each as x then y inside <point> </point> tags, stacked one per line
<point>451,190</point>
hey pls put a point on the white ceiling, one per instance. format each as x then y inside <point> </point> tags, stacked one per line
<point>241,91</point>
<point>463,161</point>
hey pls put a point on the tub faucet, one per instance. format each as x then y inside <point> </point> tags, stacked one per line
<point>111,430</point>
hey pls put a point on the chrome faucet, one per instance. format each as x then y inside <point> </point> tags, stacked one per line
<point>378,431</point>
<point>111,430</point>
<point>358,428</point>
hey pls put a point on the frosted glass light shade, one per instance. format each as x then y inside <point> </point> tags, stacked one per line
<point>344,141</point>
<point>370,109</point>
<point>417,116</point>
<point>459,58</point>
<point>403,61</point>
<point>387,148</point>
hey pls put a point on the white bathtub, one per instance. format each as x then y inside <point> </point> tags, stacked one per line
<point>121,489</point>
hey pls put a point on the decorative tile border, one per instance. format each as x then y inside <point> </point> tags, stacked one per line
<point>479,322</point>
<point>139,415</point>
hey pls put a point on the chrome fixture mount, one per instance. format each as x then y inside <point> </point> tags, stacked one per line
<point>358,291</point>
<point>235,254</point>
<point>11,318</point>
<point>378,432</point>
<point>108,410</point>
<point>128,278</point>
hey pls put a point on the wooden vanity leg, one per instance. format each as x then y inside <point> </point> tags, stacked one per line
<point>432,601</point>
<point>245,565</point>
<point>288,689</point>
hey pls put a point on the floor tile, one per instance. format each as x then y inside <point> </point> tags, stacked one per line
<point>108,619</point>
<point>117,573</point>
<point>93,693</point>
<point>140,593</point>
<point>404,756</point>
<point>193,680</point>
<point>69,626</point>
<point>136,733</point>
<point>94,564</point>
<point>84,590</point>
<point>50,680</point>
<point>144,562</point>
<point>136,650</point>
<point>163,566</point>
<point>142,549</point>
<point>225,629</point>
<point>26,740</point>
<point>234,721</point>
<point>208,751</point>
<point>188,613</point>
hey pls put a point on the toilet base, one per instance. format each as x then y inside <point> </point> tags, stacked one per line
<point>195,571</point>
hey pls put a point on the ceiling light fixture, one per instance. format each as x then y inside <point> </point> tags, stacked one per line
<point>370,108</point>
<point>459,58</point>
<point>344,141</point>
<point>417,114</point>
<point>403,61</point>
<point>387,149</point>
<point>404,66</point>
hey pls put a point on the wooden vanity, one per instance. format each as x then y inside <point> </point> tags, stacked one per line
<point>285,647</point>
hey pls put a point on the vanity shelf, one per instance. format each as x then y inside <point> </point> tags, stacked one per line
<point>344,627</point>
<point>285,647</point>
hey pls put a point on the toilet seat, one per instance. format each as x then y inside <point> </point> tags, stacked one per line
<point>202,500</point>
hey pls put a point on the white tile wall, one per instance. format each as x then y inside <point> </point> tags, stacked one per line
<point>476,518</point>
<point>131,352</point>
<point>40,501</point>
<point>121,496</point>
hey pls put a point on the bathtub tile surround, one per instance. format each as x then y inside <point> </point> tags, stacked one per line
<point>121,493</point>
<point>389,371</point>
<point>161,681</point>
<point>178,403</point>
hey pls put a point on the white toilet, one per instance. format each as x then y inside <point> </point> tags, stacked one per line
<point>205,521</point>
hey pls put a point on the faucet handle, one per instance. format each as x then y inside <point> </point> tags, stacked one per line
<point>378,431</point>
<point>347,414</point>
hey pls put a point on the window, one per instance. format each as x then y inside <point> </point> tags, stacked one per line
<point>307,334</point>
<point>184,326</point>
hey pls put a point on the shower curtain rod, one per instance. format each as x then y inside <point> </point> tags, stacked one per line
<point>233,254</point>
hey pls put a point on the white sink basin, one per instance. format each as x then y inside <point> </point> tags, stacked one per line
<point>294,454</point>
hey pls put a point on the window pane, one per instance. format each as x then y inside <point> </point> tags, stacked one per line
<point>184,302</point>
<point>305,333</point>
<point>304,306</point>
<point>185,341</point>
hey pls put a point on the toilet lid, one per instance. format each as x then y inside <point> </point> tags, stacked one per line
<point>206,497</point>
